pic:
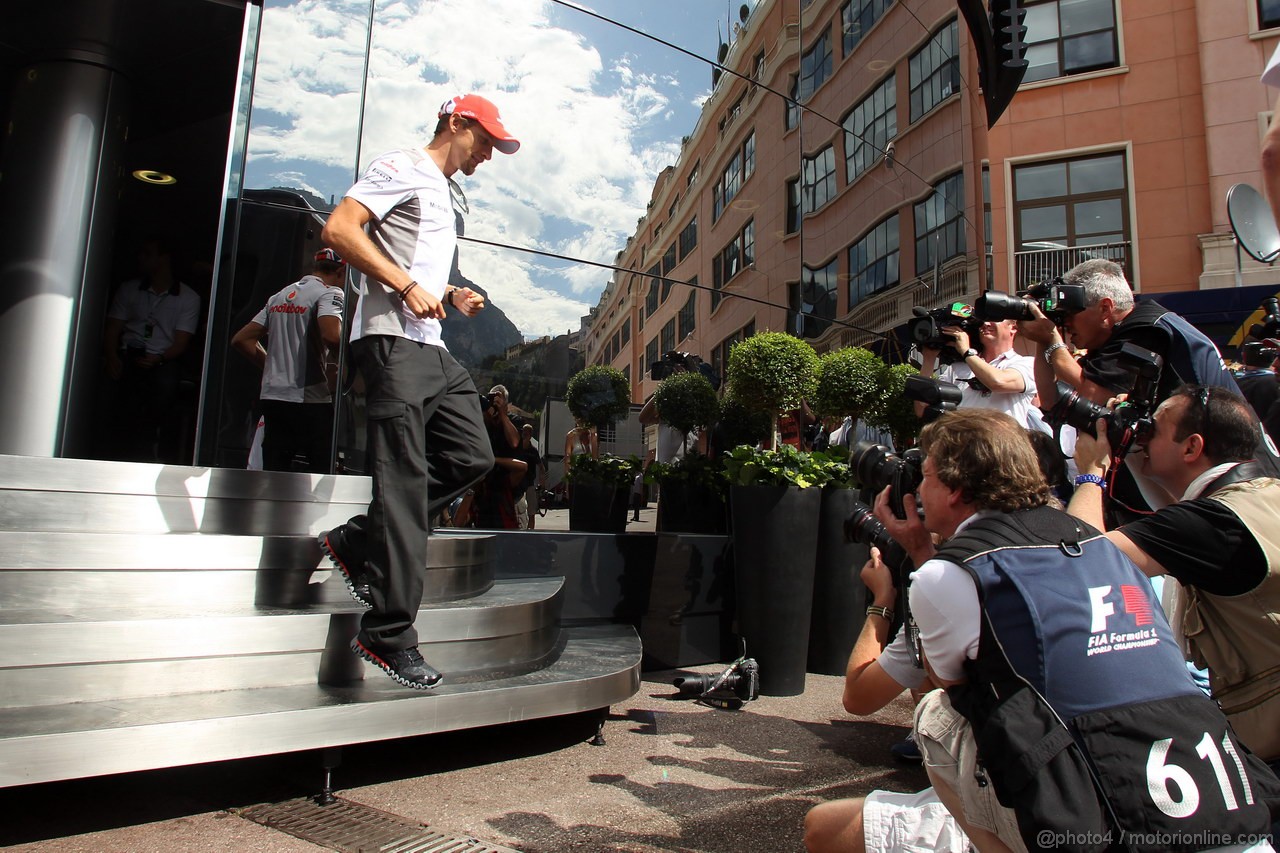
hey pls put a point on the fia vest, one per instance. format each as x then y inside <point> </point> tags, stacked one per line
<point>1116,731</point>
<point>1238,637</point>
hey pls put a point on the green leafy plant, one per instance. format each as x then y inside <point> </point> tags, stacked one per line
<point>695,469</point>
<point>786,466</point>
<point>598,395</point>
<point>773,372</point>
<point>739,424</point>
<point>609,470</point>
<point>833,463</point>
<point>687,401</point>
<point>898,415</point>
<point>851,382</point>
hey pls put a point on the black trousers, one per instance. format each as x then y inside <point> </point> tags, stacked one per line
<point>426,444</point>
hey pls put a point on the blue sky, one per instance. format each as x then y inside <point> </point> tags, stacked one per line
<point>599,111</point>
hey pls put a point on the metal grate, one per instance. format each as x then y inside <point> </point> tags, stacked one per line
<point>355,828</point>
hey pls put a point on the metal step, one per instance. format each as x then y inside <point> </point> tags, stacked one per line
<point>81,570</point>
<point>48,658</point>
<point>597,666</point>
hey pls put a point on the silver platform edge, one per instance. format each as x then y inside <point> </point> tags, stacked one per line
<point>154,616</point>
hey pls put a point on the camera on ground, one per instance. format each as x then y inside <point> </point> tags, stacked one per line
<point>738,684</point>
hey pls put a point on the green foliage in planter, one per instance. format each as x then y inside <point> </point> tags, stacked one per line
<point>772,371</point>
<point>740,424</point>
<point>833,464</point>
<point>687,401</point>
<point>786,466</point>
<point>598,395</point>
<point>899,414</point>
<point>851,381</point>
<point>609,470</point>
<point>696,469</point>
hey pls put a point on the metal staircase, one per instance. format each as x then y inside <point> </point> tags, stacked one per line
<point>154,615</point>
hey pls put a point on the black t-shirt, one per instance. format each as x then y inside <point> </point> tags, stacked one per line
<point>1104,366</point>
<point>1202,544</point>
<point>1260,389</point>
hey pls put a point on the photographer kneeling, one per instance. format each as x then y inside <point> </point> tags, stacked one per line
<point>993,376</point>
<point>1088,646</point>
<point>1221,541</point>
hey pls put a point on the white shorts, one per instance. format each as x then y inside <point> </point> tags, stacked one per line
<point>910,823</point>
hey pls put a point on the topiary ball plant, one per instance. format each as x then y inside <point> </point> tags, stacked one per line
<point>773,372</point>
<point>739,425</point>
<point>851,382</point>
<point>899,414</point>
<point>598,395</point>
<point>687,401</point>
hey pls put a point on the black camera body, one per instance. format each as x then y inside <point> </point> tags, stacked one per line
<point>486,401</point>
<point>863,527</point>
<point>737,684</point>
<point>926,328</point>
<point>938,397</point>
<point>1055,299</point>
<point>660,370</point>
<point>875,466</point>
<point>1270,325</point>
<point>1129,421</point>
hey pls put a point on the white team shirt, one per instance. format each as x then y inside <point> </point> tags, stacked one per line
<point>414,226</point>
<point>294,371</point>
<point>1016,404</point>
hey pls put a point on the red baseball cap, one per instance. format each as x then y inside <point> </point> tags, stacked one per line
<point>484,111</point>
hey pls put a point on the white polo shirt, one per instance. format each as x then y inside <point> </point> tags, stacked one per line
<point>151,319</point>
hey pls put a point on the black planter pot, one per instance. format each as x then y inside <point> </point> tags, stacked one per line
<point>598,507</point>
<point>689,508</point>
<point>775,530</point>
<point>839,596</point>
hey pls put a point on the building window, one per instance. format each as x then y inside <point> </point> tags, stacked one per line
<point>688,238</point>
<point>791,119</point>
<point>650,355</point>
<point>859,16</point>
<point>987,246</point>
<point>793,206</point>
<point>669,336</point>
<point>668,261</point>
<point>740,167</point>
<point>818,180</point>
<point>873,261</point>
<point>720,354</point>
<point>693,174</point>
<point>732,259</point>
<point>940,223</point>
<point>868,129</point>
<point>815,66</point>
<point>1072,36</point>
<point>934,71</point>
<point>651,298</point>
<point>815,296</point>
<point>1268,13</point>
<point>757,71</point>
<point>688,316</point>
<point>626,373</point>
<point>626,331</point>
<point>1068,203</point>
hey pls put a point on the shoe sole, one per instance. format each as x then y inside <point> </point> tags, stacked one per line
<point>344,571</point>
<point>372,658</point>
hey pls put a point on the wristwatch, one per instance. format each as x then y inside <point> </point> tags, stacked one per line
<point>970,352</point>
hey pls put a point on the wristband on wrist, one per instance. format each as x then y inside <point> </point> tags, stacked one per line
<point>1051,349</point>
<point>403,294</point>
<point>448,296</point>
<point>1089,478</point>
<point>883,612</point>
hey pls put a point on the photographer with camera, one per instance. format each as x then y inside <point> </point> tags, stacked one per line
<point>1221,541</point>
<point>1258,382</point>
<point>672,444</point>
<point>1057,665</point>
<point>991,376</point>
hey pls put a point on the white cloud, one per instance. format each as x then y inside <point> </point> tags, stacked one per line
<point>586,123</point>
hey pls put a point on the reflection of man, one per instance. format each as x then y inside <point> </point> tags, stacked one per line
<point>993,376</point>
<point>672,444</point>
<point>1221,541</point>
<point>495,499</point>
<point>534,479</point>
<point>1016,577</point>
<point>149,326</point>
<point>426,437</point>
<point>301,323</point>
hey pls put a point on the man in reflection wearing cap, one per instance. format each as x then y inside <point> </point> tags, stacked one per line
<point>426,441</point>
<point>302,324</point>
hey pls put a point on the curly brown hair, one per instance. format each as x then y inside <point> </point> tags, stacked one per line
<point>988,457</point>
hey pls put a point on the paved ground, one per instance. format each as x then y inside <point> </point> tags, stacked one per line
<point>672,775</point>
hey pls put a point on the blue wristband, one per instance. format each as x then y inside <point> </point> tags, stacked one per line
<point>1089,478</point>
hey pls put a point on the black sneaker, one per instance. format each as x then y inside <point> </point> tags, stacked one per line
<point>334,547</point>
<point>404,665</point>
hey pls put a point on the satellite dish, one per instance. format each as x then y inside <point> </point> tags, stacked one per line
<point>744,12</point>
<point>1253,224</point>
<point>723,53</point>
